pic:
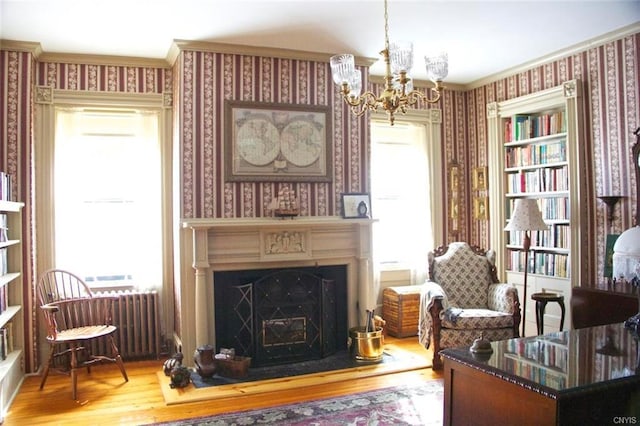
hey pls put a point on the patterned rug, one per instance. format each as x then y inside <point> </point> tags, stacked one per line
<point>400,405</point>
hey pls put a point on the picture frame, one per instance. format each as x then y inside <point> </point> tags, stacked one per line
<point>454,178</point>
<point>480,178</point>
<point>481,208</point>
<point>454,213</point>
<point>608,257</point>
<point>274,142</point>
<point>454,190</point>
<point>356,205</point>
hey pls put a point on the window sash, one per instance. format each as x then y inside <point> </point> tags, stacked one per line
<point>107,197</point>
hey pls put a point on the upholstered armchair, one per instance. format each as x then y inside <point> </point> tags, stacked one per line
<point>463,299</point>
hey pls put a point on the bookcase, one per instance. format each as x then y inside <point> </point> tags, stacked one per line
<point>11,318</point>
<point>536,150</point>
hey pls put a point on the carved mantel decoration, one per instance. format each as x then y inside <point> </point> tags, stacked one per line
<point>285,242</point>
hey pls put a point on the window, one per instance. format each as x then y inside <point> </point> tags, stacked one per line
<point>107,196</point>
<point>401,196</point>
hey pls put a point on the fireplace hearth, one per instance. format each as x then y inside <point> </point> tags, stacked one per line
<point>280,316</point>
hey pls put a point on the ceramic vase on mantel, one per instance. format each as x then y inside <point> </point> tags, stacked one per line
<point>203,357</point>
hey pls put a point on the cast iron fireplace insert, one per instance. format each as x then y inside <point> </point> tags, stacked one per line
<point>283,315</point>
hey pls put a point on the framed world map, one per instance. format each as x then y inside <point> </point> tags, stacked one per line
<point>277,142</point>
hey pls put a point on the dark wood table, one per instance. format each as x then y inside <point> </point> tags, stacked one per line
<point>604,303</point>
<point>583,377</point>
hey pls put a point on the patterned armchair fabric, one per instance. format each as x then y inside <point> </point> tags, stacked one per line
<point>463,299</point>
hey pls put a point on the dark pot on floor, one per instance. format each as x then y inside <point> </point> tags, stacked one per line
<point>203,357</point>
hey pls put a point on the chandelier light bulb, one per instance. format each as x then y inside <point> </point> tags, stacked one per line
<point>342,68</point>
<point>401,56</point>
<point>355,84</point>
<point>437,66</point>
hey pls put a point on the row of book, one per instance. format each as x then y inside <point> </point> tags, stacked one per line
<point>526,126</point>
<point>551,264</point>
<point>539,180</point>
<point>3,298</point>
<point>552,208</point>
<point>6,340</point>
<point>4,228</point>
<point>5,187</point>
<point>4,265</point>
<point>537,154</point>
<point>557,236</point>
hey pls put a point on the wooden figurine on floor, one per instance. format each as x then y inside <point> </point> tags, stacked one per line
<point>171,363</point>
<point>180,377</point>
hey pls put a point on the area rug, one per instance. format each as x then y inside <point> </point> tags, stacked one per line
<point>420,404</point>
<point>399,360</point>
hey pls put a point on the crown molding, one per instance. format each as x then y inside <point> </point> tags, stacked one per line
<point>22,46</point>
<point>79,58</point>
<point>272,52</point>
<point>571,50</point>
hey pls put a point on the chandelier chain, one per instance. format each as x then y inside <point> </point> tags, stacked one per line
<point>386,26</point>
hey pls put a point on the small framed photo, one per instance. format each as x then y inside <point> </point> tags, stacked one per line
<point>481,208</point>
<point>480,178</point>
<point>356,205</point>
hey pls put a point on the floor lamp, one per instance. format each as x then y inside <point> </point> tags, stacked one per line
<point>526,217</point>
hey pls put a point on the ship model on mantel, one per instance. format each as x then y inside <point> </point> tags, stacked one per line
<point>286,204</point>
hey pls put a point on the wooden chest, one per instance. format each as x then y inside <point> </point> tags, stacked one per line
<point>401,310</point>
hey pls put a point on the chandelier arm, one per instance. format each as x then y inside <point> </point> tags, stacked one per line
<point>367,99</point>
<point>359,105</point>
<point>415,96</point>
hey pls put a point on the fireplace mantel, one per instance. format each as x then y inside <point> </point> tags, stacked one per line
<point>257,243</point>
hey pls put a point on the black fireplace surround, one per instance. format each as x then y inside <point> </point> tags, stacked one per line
<point>280,316</point>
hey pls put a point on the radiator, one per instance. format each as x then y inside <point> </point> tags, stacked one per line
<point>137,316</point>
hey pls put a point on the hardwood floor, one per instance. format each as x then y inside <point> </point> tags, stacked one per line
<point>107,400</point>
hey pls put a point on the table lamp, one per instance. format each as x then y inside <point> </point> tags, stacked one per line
<point>526,217</point>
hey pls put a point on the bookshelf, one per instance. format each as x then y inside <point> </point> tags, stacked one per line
<point>536,150</point>
<point>11,319</point>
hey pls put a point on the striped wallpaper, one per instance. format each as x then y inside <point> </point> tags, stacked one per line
<point>201,81</point>
<point>206,80</point>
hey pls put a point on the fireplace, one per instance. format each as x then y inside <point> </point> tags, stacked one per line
<point>220,246</point>
<point>282,315</point>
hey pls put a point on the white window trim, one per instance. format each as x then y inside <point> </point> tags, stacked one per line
<point>44,145</point>
<point>432,120</point>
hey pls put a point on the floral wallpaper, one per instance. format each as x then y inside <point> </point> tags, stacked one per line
<point>206,80</point>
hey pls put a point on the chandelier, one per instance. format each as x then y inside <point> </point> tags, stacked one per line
<point>398,94</point>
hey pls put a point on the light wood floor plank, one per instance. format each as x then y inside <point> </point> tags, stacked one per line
<point>105,399</point>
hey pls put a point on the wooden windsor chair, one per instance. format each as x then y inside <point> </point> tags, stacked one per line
<point>75,318</point>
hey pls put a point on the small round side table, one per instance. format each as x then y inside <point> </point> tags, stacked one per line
<point>541,303</point>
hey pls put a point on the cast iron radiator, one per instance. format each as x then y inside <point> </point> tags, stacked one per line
<point>137,316</point>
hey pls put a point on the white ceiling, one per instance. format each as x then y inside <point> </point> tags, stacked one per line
<point>481,37</point>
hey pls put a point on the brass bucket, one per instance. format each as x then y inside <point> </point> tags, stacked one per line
<point>366,345</point>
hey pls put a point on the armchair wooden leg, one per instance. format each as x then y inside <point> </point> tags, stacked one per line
<point>45,372</point>
<point>437,361</point>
